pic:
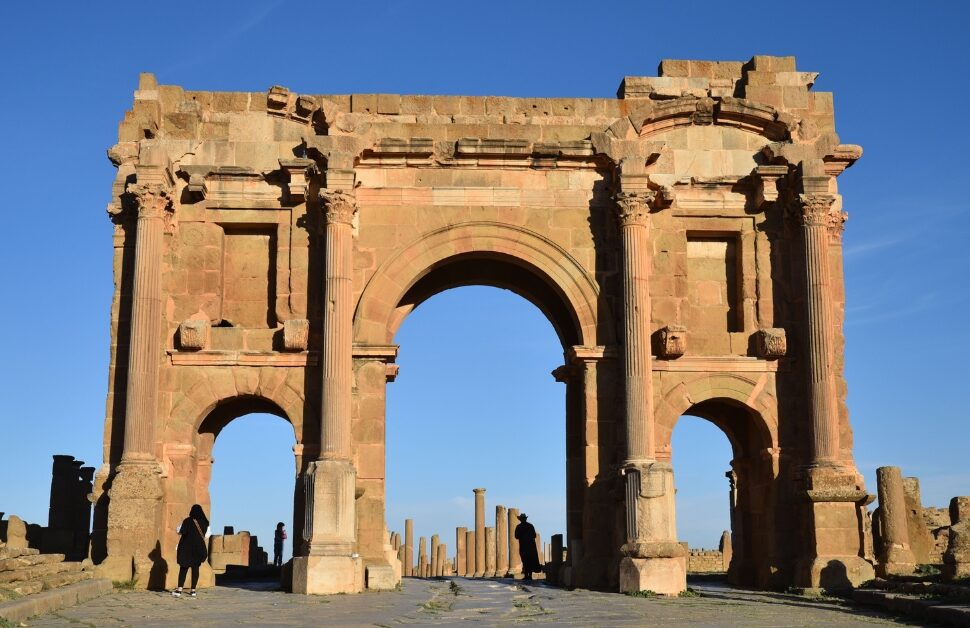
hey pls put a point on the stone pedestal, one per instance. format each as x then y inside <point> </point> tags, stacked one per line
<point>134,512</point>
<point>834,519</point>
<point>327,574</point>
<point>330,531</point>
<point>662,575</point>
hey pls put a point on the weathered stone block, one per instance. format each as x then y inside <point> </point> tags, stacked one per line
<point>672,341</point>
<point>772,343</point>
<point>296,334</point>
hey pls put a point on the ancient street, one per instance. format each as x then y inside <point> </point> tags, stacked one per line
<point>439,603</point>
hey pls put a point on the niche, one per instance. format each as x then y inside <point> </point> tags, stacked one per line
<point>249,277</point>
<point>712,277</point>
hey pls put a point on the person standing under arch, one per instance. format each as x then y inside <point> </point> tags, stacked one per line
<point>278,537</point>
<point>525,534</point>
<point>191,550</point>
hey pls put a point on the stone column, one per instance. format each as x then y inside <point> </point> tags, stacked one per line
<point>816,221</point>
<point>653,560</point>
<point>134,513</point>
<point>409,547</point>
<point>490,552</point>
<point>834,488</point>
<point>501,542</point>
<point>515,560</point>
<point>433,559</point>
<point>470,553</point>
<point>422,558</point>
<point>460,534</point>
<point>479,532</point>
<point>956,559</point>
<point>895,554</point>
<point>332,565</point>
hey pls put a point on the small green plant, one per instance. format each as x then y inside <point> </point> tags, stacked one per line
<point>5,623</point>
<point>644,593</point>
<point>688,592</point>
<point>125,585</point>
<point>455,588</point>
<point>927,570</point>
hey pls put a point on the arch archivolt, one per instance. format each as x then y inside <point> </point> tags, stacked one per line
<point>376,318</point>
<point>754,392</point>
<point>275,390</point>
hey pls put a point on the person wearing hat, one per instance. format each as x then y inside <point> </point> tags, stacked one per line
<point>525,533</point>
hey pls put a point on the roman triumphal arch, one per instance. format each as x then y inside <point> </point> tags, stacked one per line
<point>684,239</point>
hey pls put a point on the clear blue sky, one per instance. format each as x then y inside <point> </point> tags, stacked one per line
<point>898,70</point>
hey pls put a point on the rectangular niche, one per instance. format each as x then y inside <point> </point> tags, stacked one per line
<point>713,284</point>
<point>249,277</point>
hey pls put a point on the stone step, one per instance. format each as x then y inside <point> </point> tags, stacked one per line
<point>10,564</point>
<point>939,611</point>
<point>37,571</point>
<point>16,611</point>
<point>10,552</point>
<point>23,588</point>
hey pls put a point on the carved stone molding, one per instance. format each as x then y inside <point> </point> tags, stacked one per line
<point>673,341</point>
<point>633,208</point>
<point>767,178</point>
<point>193,334</point>
<point>296,334</point>
<point>772,343</point>
<point>299,171</point>
<point>339,206</point>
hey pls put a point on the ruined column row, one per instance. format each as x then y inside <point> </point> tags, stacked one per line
<point>479,552</point>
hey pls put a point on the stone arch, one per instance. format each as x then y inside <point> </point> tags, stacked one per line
<point>656,117</point>
<point>706,393</point>
<point>239,391</point>
<point>569,296</point>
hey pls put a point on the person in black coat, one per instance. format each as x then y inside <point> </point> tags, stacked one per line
<point>192,550</point>
<point>525,534</point>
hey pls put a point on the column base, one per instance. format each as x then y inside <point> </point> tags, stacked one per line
<point>327,575</point>
<point>133,539</point>
<point>836,572</point>
<point>381,577</point>
<point>663,576</point>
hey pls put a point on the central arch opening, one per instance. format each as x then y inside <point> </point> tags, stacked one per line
<point>475,406</point>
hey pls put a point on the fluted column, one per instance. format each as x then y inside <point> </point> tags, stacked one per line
<point>408,547</point>
<point>338,312</point>
<point>652,557</point>
<point>145,346</point>
<point>817,219</point>
<point>333,565</point>
<point>633,213</point>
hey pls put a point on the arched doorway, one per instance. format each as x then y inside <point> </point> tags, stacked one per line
<point>750,486</point>
<point>190,471</point>
<point>475,394</point>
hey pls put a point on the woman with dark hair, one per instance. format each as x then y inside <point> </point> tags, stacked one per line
<point>191,551</point>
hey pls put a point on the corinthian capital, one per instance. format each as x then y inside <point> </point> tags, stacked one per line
<point>339,206</point>
<point>632,208</point>
<point>815,209</point>
<point>153,199</point>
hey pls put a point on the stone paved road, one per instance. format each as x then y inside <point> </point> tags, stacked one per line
<point>439,603</point>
